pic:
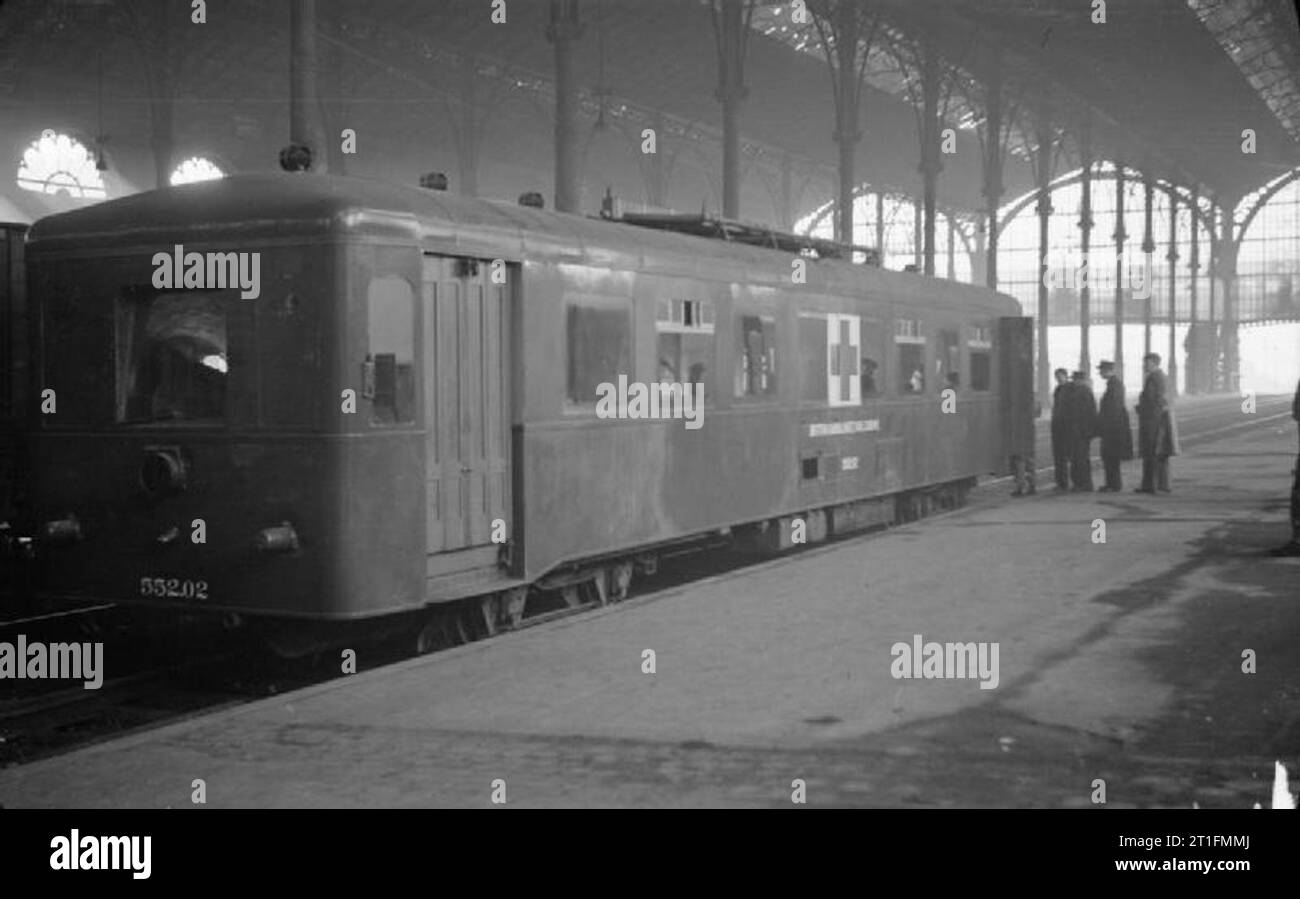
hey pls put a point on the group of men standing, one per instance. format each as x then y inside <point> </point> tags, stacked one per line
<point>1292,546</point>
<point>1077,420</point>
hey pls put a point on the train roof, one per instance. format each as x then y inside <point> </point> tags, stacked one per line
<point>284,205</point>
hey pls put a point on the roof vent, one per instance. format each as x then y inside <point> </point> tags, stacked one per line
<point>434,181</point>
<point>532,198</point>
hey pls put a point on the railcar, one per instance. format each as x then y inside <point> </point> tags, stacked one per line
<point>13,401</point>
<point>403,413</point>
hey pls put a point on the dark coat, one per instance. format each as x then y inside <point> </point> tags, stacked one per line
<point>1157,428</point>
<point>1060,420</point>
<point>1113,423</point>
<point>1082,412</point>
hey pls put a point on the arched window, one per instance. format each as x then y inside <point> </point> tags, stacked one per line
<point>57,164</point>
<point>196,168</point>
<point>1020,256</point>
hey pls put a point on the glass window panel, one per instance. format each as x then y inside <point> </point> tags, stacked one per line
<point>600,347</point>
<point>172,357</point>
<point>390,362</point>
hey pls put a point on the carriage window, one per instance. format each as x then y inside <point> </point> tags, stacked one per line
<point>171,357</point>
<point>685,342</point>
<point>911,355</point>
<point>980,370</point>
<point>388,376</point>
<point>947,363</point>
<point>600,347</point>
<point>872,373</point>
<point>979,347</point>
<point>812,349</point>
<point>755,356</point>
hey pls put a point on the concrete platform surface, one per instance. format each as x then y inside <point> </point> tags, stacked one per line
<point>1120,661</point>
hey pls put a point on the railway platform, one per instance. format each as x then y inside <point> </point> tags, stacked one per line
<point>1160,665</point>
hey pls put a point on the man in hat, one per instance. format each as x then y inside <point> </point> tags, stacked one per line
<point>1157,429</point>
<point>1113,427</point>
<point>1060,430</point>
<point>1082,405</point>
<point>1293,547</point>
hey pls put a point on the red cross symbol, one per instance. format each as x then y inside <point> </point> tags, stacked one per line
<point>844,362</point>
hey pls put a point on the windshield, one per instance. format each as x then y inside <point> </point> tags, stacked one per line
<point>172,362</point>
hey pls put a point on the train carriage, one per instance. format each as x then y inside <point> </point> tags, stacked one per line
<point>404,409</point>
<point>13,402</point>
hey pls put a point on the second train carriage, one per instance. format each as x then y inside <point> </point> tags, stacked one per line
<point>417,375</point>
<point>14,517</point>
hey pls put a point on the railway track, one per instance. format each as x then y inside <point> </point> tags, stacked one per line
<point>44,719</point>
<point>35,726</point>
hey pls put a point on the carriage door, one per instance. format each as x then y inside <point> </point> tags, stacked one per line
<point>467,480</point>
<point>1015,348</point>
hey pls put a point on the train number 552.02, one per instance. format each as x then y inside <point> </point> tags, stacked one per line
<point>171,587</point>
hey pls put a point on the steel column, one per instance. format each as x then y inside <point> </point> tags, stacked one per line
<point>1044,209</point>
<point>304,107</point>
<point>1172,257</point>
<point>1120,236</point>
<point>563,32</point>
<point>1148,249</point>
<point>1085,238</point>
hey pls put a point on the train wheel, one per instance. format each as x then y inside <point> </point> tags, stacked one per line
<point>490,609</point>
<point>572,595</point>
<point>443,629</point>
<point>429,637</point>
<point>502,611</point>
<point>513,603</point>
<point>619,579</point>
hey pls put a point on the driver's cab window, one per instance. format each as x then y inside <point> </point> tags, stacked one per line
<point>388,376</point>
<point>172,358</point>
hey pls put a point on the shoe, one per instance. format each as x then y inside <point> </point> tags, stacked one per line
<point>1163,490</point>
<point>1108,490</point>
<point>1286,549</point>
<point>1017,493</point>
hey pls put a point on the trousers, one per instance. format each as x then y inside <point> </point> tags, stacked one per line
<point>1023,469</point>
<point>1155,472</point>
<point>1061,458</point>
<point>1111,462</point>
<point>1081,465</point>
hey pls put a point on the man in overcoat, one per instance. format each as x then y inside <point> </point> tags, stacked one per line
<point>1060,425</point>
<point>1082,429</point>
<point>1113,428</point>
<point>1157,428</point>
